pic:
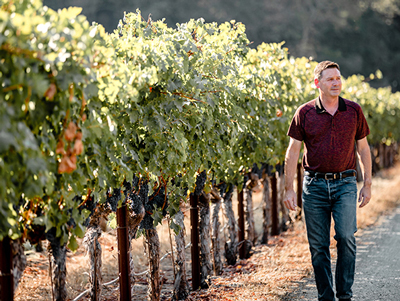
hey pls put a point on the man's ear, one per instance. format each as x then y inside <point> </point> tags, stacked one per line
<point>316,82</point>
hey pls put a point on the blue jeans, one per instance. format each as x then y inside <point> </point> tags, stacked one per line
<point>323,199</point>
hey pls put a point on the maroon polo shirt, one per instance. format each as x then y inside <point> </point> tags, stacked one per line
<point>329,140</point>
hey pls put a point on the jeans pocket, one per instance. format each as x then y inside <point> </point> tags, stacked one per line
<point>350,180</point>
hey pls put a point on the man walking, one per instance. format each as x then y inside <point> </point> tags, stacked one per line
<point>330,126</point>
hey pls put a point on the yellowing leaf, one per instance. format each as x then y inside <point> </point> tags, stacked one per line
<point>22,24</point>
<point>207,188</point>
<point>71,12</point>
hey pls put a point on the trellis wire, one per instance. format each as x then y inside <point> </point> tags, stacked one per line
<point>83,294</point>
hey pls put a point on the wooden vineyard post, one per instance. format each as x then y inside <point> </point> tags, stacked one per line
<point>194,234</point>
<point>242,251</point>
<point>123,256</point>
<point>274,196</point>
<point>6,276</point>
<point>181,285</point>
<point>299,185</point>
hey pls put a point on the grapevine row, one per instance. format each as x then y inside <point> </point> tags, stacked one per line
<point>89,119</point>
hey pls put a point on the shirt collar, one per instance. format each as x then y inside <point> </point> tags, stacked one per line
<point>320,108</point>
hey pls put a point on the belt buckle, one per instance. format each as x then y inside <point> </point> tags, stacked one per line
<point>330,176</point>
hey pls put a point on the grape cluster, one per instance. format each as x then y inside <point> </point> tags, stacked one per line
<point>256,170</point>
<point>147,221</point>
<point>135,181</point>
<point>158,200</point>
<point>222,189</point>
<point>130,187</point>
<point>269,169</point>
<point>127,186</point>
<point>21,202</point>
<point>136,203</point>
<point>89,205</point>
<point>229,193</point>
<point>144,192</point>
<point>200,182</point>
<point>35,232</point>
<point>176,181</point>
<point>55,243</point>
<point>71,222</point>
<point>113,199</point>
<point>184,192</point>
<point>136,196</point>
<point>280,168</point>
<point>245,179</point>
<point>264,168</point>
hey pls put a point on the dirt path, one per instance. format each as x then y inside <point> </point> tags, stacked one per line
<point>377,268</point>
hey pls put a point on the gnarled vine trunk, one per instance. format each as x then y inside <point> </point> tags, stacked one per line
<point>249,210</point>
<point>13,252</point>
<point>153,277</point>
<point>230,246</point>
<point>134,220</point>
<point>93,247</point>
<point>181,285</point>
<point>58,270</point>
<point>205,239</point>
<point>266,201</point>
<point>19,261</point>
<point>215,209</point>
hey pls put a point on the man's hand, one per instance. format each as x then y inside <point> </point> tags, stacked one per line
<point>365,195</point>
<point>291,158</point>
<point>365,155</point>
<point>290,200</point>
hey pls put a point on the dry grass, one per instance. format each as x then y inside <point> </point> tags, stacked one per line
<point>273,270</point>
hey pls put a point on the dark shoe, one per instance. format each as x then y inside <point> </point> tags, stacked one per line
<point>345,299</point>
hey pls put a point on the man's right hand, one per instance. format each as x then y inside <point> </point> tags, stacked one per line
<point>290,200</point>
<point>291,159</point>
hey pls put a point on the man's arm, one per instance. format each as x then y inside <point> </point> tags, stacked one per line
<point>292,156</point>
<point>365,155</point>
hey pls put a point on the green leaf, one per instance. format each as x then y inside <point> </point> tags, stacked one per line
<point>7,140</point>
<point>39,220</point>
<point>79,231</point>
<point>34,165</point>
<point>73,244</point>
<point>112,221</point>
<point>175,227</point>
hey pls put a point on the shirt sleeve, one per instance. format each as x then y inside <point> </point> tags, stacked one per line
<point>362,125</point>
<point>296,129</point>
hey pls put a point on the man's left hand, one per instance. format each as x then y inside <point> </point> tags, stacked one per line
<point>365,196</point>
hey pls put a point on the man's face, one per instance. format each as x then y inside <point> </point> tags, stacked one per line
<point>330,83</point>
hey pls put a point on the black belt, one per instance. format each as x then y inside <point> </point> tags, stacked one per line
<point>331,175</point>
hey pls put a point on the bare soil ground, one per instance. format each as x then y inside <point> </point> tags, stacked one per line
<point>270,274</point>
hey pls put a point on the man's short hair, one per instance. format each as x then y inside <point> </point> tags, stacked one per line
<point>322,66</point>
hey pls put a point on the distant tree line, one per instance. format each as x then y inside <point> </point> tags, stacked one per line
<point>362,35</point>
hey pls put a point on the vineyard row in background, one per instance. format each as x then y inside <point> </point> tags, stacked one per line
<point>92,123</point>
